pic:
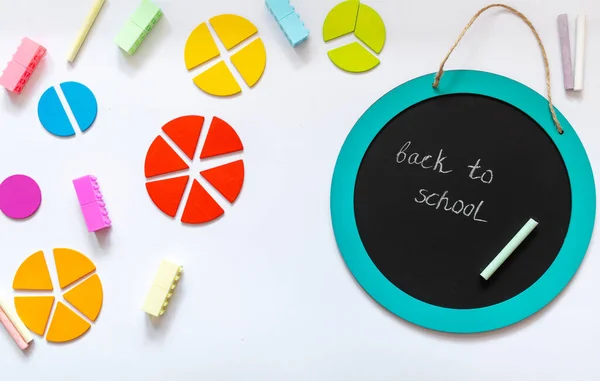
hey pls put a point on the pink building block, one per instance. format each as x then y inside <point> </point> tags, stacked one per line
<point>96,216</point>
<point>91,203</point>
<point>14,77</point>
<point>87,189</point>
<point>24,61</point>
<point>29,54</point>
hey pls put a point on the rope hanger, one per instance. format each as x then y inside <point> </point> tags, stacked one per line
<point>440,72</point>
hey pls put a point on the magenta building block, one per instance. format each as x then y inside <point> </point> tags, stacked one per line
<point>96,216</point>
<point>87,189</point>
<point>91,203</point>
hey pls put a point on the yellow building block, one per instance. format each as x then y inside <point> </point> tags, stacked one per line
<point>162,288</point>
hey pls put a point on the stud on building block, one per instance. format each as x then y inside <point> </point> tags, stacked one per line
<point>162,288</point>
<point>136,29</point>
<point>288,20</point>
<point>23,63</point>
<point>91,203</point>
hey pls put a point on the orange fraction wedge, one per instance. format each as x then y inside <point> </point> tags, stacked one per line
<point>66,325</point>
<point>34,311</point>
<point>185,132</point>
<point>166,194</point>
<point>33,274</point>
<point>71,266</point>
<point>200,207</point>
<point>87,297</point>
<point>221,139</point>
<point>161,159</point>
<point>227,179</point>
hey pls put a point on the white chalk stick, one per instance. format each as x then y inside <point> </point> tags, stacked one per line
<point>12,315</point>
<point>508,249</point>
<point>565,50</point>
<point>579,52</point>
<point>85,29</point>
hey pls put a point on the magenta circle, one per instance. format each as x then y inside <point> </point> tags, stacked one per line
<point>20,196</point>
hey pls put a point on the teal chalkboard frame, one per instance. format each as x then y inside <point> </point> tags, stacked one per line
<point>500,315</point>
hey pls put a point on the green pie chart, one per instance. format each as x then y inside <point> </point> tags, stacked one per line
<point>353,17</point>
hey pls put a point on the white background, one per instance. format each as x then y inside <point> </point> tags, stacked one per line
<point>265,293</point>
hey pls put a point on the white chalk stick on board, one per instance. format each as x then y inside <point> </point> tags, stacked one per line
<point>579,52</point>
<point>509,249</point>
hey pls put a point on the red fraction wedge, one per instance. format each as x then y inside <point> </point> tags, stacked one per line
<point>200,207</point>
<point>185,132</point>
<point>227,179</point>
<point>221,139</point>
<point>161,159</point>
<point>167,194</point>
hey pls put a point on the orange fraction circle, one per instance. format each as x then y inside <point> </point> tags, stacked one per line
<point>85,298</point>
<point>168,191</point>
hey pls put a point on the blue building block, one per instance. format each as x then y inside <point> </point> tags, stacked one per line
<point>294,29</point>
<point>288,20</point>
<point>280,9</point>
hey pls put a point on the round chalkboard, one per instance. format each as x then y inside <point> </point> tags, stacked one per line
<point>432,184</point>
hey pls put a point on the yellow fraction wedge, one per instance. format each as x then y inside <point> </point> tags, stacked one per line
<point>66,325</point>
<point>370,28</point>
<point>87,297</point>
<point>199,47</point>
<point>251,61</point>
<point>33,274</point>
<point>341,20</point>
<point>34,311</point>
<point>353,57</point>
<point>232,29</point>
<point>218,81</point>
<point>71,266</point>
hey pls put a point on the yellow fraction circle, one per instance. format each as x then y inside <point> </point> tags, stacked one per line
<point>84,295</point>
<point>367,25</point>
<point>231,31</point>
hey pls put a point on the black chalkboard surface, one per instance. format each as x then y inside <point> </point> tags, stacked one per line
<point>446,184</point>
